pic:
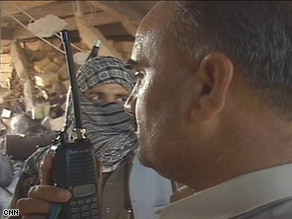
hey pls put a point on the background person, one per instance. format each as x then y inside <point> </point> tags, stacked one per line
<point>105,85</point>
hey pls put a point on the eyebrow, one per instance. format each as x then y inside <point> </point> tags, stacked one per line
<point>94,92</point>
<point>122,95</point>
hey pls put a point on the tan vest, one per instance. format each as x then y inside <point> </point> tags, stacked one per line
<point>116,203</point>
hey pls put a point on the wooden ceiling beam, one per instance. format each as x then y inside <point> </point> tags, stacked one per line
<point>98,19</point>
<point>90,35</point>
<point>7,6</point>
<point>62,9</point>
<point>129,17</point>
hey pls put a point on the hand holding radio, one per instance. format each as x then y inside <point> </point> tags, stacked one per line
<point>40,197</point>
<point>71,179</point>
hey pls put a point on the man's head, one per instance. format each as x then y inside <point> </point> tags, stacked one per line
<point>215,82</point>
<point>104,80</point>
<point>104,85</point>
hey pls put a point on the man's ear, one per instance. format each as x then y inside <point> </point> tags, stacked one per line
<point>214,76</point>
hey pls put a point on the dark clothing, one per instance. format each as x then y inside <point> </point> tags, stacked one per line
<point>115,194</point>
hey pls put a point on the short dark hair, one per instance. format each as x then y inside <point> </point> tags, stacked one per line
<point>256,35</point>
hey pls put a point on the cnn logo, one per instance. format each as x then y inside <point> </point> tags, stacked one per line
<point>11,212</point>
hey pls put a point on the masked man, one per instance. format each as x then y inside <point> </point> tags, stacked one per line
<point>104,85</point>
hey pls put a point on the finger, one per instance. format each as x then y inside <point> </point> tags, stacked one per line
<point>28,206</point>
<point>35,217</point>
<point>49,193</point>
<point>47,170</point>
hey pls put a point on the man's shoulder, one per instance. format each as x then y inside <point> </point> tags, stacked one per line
<point>33,162</point>
<point>260,194</point>
<point>281,209</point>
<point>278,210</point>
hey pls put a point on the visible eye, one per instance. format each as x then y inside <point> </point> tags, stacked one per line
<point>122,99</point>
<point>96,99</point>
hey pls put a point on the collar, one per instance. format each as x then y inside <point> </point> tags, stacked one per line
<point>236,196</point>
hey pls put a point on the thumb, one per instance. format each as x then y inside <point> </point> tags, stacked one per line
<point>47,170</point>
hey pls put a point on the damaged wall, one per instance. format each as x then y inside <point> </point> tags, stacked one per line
<point>33,72</point>
<point>37,76</point>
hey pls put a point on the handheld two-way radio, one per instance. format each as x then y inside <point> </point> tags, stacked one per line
<point>75,165</point>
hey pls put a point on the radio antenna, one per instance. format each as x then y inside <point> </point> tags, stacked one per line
<point>73,79</point>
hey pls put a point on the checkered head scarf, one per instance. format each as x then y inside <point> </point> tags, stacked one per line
<point>108,126</point>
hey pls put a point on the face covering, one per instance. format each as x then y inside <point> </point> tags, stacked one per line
<point>108,126</point>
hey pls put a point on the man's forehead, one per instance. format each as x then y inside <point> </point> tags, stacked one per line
<point>149,31</point>
<point>159,12</point>
<point>138,46</point>
<point>143,45</point>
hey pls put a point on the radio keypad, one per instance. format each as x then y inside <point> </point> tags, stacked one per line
<point>86,214</point>
<point>94,212</point>
<point>75,210</point>
<point>73,204</point>
<point>80,202</point>
<point>81,208</point>
<point>87,201</point>
<point>94,205</point>
<point>84,208</point>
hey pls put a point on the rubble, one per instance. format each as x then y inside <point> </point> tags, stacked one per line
<point>33,74</point>
<point>47,79</point>
<point>38,74</point>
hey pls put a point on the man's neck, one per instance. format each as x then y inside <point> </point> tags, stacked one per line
<point>256,141</point>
